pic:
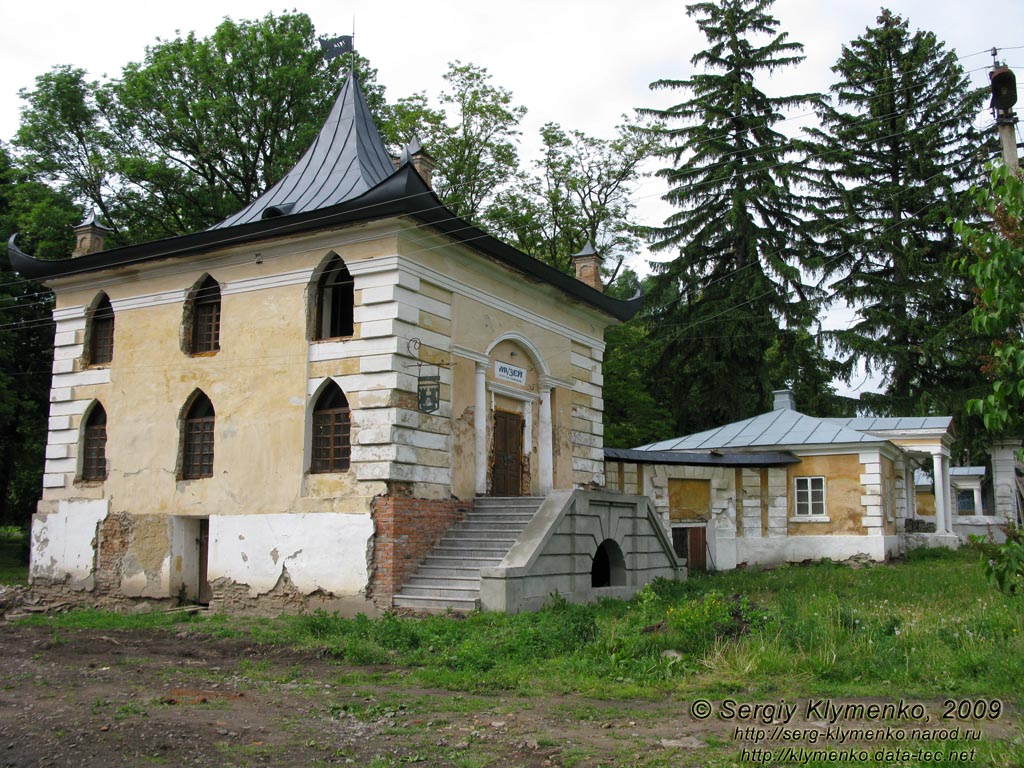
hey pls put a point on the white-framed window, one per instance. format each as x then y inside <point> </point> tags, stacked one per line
<point>809,497</point>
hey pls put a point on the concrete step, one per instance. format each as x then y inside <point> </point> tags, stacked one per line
<point>457,582</point>
<point>508,502</point>
<point>497,518</point>
<point>435,604</point>
<point>449,577</point>
<point>441,593</point>
<point>443,572</point>
<point>498,524</point>
<point>479,550</point>
<point>476,538</point>
<point>435,561</point>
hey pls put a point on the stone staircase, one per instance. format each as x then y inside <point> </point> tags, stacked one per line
<point>449,578</point>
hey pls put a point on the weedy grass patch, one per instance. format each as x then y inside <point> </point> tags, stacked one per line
<point>928,626</point>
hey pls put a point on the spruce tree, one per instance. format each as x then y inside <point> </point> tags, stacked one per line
<point>897,149</point>
<point>734,289</point>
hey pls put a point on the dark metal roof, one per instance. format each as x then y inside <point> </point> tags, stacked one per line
<point>345,177</point>
<point>347,159</point>
<point>586,250</point>
<point>709,459</point>
<point>404,193</point>
<point>92,220</point>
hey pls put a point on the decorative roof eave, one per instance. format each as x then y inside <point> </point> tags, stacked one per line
<point>703,458</point>
<point>403,193</point>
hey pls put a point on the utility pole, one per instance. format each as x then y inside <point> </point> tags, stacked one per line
<point>1004,96</point>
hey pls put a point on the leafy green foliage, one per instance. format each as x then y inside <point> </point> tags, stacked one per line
<point>579,192</point>
<point>1005,569</point>
<point>192,133</point>
<point>740,235</point>
<point>476,148</point>
<point>896,148</point>
<point>42,216</point>
<point>996,267</point>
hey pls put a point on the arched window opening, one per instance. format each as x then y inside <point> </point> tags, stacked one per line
<point>332,431</point>
<point>204,333</point>
<point>609,568</point>
<point>94,445</point>
<point>197,439</point>
<point>101,333</point>
<point>335,299</point>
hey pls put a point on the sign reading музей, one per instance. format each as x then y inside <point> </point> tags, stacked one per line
<point>509,372</point>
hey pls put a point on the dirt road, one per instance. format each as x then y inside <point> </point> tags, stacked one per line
<point>140,698</point>
<point>88,698</point>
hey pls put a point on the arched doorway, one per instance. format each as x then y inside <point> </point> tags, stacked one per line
<point>609,567</point>
<point>507,471</point>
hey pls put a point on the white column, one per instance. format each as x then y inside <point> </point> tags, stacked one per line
<point>1004,482</point>
<point>977,500</point>
<point>480,428</point>
<point>940,473</point>
<point>545,442</point>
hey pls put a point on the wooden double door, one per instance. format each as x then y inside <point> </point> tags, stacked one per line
<point>507,469</point>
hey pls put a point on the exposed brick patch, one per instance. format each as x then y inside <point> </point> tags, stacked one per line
<point>405,530</point>
<point>112,539</point>
<point>103,590</point>
<point>234,598</point>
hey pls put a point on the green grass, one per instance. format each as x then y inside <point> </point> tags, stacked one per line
<point>929,627</point>
<point>13,555</point>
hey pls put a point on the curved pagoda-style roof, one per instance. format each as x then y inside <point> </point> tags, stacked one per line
<point>345,177</point>
<point>347,159</point>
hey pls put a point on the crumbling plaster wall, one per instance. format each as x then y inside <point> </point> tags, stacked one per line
<point>64,543</point>
<point>321,552</point>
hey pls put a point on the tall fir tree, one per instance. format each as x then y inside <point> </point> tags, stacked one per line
<point>734,291</point>
<point>898,149</point>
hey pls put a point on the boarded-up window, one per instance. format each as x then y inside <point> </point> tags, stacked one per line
<point>689,500</point>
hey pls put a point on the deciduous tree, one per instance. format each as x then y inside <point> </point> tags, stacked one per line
<point>43,217</point>
<point>995,267</point>
<point>580,190</point>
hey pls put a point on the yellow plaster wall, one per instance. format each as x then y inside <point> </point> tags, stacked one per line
<point>258,379</point>
<point>257,383</point>
<point>843,491</point>
<point>926,503</point>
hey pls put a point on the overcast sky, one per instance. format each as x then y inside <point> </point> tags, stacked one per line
<point>580,63</point>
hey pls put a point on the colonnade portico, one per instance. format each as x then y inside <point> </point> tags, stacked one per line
<point>943,503</point>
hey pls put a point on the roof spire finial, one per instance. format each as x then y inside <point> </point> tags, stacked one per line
<point>338,46</point>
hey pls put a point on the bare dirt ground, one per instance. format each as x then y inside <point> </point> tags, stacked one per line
<point>139,698</point>
<point>87,698</point>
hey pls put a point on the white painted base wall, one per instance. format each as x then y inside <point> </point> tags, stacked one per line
<point>795,549</point>
<point>64,543</point>
<point>980,525</point>
<point>321,551</point>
